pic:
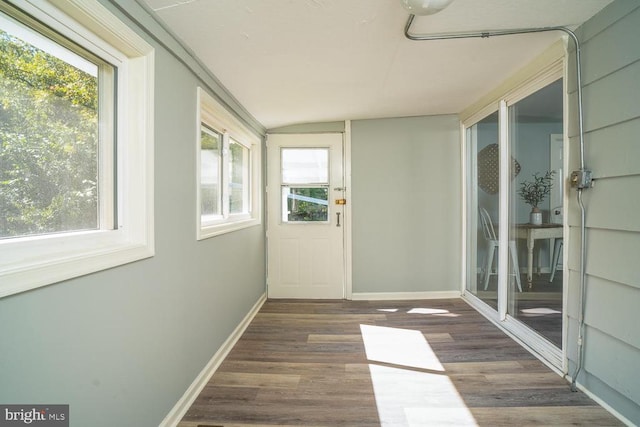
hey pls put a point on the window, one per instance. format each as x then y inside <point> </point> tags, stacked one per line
<point>229,171</point>
<point>76,170</point>
<point>238,165</point>
<point>211,168</point>
<point>54,100</point>
<point>305,184</point>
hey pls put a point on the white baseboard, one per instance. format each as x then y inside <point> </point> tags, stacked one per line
<point>182,406</point>
<point>390,296</point>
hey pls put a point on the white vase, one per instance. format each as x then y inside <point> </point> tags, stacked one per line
<point>535,217</point>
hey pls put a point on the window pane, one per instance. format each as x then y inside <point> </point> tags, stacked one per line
<point>238,178</point>
<point>534,198</point>
<point>210,143</point>
<point>305,165</point>
<point>48,134</point>
<point>483,188</point>
<point>305,204</point>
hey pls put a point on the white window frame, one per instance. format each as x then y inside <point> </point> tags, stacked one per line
<point>34,261</point>
<point>215,116</point>
<point>226,180</point>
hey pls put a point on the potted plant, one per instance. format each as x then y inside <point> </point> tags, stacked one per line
<point>534,192</point>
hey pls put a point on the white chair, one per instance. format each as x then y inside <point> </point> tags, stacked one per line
<point>492,244</point>
<point>557,250</point>
<point>556,218</point>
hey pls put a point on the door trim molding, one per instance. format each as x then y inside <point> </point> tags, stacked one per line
<point>346,170</point>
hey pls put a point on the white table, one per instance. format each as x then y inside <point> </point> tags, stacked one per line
<point>532,233</point>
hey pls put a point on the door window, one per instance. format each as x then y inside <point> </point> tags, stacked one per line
<point>305,185</point>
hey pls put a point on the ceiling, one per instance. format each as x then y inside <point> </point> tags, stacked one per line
<point>302,61</point>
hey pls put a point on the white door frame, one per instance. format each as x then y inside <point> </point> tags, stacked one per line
<point>347,215</point>
<point>346,156</point>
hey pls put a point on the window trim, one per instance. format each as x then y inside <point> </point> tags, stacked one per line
<point>34,261</point>
<point>214,115</point>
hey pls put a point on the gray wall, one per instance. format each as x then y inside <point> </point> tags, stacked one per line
<point>121,346</point>
<point>611,75</point>
<point>406,204</point>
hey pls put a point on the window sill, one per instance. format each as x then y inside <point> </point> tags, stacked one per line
<point>208,231</point>
<point>35,262</point>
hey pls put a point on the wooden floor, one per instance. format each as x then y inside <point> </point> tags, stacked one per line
<point>541,294</point>
<point>411,363</point>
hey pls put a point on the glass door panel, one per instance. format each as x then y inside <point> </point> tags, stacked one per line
<point>483,187</point>
<point>535,225</point>
<point>305,204</point>
<point>305,185</point>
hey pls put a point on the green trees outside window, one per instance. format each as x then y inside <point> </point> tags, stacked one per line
<point>48,142</point>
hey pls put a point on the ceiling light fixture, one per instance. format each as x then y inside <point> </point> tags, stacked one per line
<point>425,7</point>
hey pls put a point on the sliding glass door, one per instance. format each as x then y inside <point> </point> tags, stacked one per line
<point>483,189</point>
<point>535,210</point>
<point>514,205</point>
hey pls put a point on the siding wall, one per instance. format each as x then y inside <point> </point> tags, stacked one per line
<point>121,346</point>
<point>611,87</point>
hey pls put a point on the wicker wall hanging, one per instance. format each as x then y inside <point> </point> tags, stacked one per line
<point>489,168</point>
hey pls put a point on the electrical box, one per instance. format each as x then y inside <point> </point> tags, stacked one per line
<point>581,179</point>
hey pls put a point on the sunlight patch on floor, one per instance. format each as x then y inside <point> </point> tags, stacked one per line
<point>540,311</point>
<point>404,347</point>
<point>432,311</point>
<point>415,391</point>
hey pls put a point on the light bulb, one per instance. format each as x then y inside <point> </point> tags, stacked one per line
<point>425,7</point>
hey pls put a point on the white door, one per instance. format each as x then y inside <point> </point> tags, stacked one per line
<point>305,216</point>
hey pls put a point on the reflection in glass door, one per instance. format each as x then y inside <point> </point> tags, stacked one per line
<point>483,187</point>
<point>535,210</point>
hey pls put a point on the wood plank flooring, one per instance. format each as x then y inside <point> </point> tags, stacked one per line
<point>398,363</point>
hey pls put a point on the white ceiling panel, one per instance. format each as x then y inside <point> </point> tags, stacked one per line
<point>300,61</point>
